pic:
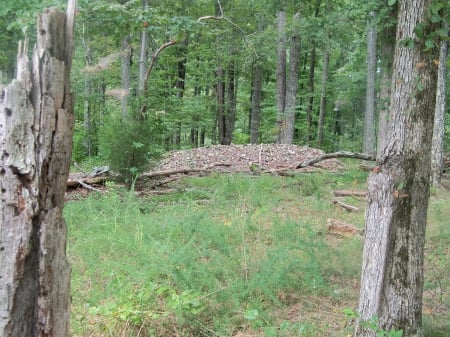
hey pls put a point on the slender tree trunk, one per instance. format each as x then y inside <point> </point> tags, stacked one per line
<point>323,97</point>
<point>281,73</point>
<point>87,105</point>
<point>230,107</point>
<point>309,109</point>
<point>143,53</point>
<point>437,159</point>
<point>36,126</point>
<point>255,114</point>
<point>287,133</point>
<point>125,74</point>
<point>220,97</point>
<point>369,115</point>
<point>398,190</point>
<point>387,57</point>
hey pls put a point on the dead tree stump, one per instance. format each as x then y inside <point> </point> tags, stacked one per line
<point>36,127</point>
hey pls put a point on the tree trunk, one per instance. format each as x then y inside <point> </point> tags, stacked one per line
<point>256,96</point>
<point>323,98</point>
<point>287,133</point>
<point>143,53</point>
<point>125,74</point>
<point>220,97</point>
<point>87,108</point>
<point>230,107</point>
<point>281,73</point>
<point>398,190</point>
<point>36,126</point>
<point>387,56</point>
<point>437,158</point>
<point>369,115</point>
<point>309,109</point>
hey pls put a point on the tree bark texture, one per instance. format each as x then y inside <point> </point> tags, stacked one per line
<point>143,52</point>
<point>387,57</point>
<point>255,114</point>
<point>125,74</point>
<point>323,98</point>
<point>36,126</point>
<point>398,190</point>
<point>281,72</point>
<point>437,152</point>
<point>287,133</point>
<point>369,115</point>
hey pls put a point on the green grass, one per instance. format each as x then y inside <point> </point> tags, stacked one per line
<point>227,254</point>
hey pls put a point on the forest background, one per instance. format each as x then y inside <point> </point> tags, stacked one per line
<point>150,76</point>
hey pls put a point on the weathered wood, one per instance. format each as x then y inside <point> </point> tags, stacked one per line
<point>180,171</point>
<point>341,228</point>
<point>349,193</point>
<point>347,207</point>
<point>36,126</point>
<point>96,181</point>
<point>339,154</point>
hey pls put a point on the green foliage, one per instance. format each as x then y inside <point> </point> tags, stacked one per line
<point>128,146</point>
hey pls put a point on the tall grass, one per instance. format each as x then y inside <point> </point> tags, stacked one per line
<point>226,253</point>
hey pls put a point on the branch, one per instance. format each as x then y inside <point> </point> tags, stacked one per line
<point>153,62</point>
<point>339,154</point>
<point>181,170</point>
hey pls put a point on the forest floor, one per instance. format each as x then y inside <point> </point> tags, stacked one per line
<point>114,235</point>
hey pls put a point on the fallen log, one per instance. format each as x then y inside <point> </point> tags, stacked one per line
<point>339,154</point>
<point>347,207</point>
<point>186,170</point>
<point>343,229</point>
<point>349,193</point>
<point>96,181</point>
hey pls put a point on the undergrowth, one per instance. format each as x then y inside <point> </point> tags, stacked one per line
<point>226,254</point>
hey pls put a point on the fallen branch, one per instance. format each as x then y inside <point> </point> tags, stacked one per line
<point>347,207</point>
<point>349,193</point>
<point>339,154</point>
<point>166,173</point>
<point>89,187</point>
<point>341,228</point>
<point>74,183</point>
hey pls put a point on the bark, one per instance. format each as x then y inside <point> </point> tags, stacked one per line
<point>143,53</point>
<point>256,97</point>
<point>125,74</point>
<point>36,126</point>
<point>287,133</point>
<point>437,151</point>
<point>369,115</point>
<point>220,97</point>
<point>398,191</point>
<point>323,98</point>
<point>255,114</point>
<point>311,89</point>
<point>87,105</point>
<point>281,72</point>
<point>230,107</point>
<point>387,57</point>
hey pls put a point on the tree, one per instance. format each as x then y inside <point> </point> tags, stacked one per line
<point>36,125</point>
<point>398,188</point>
<point>369,115</point>
<point>437,161</point>
<point>281,73</point>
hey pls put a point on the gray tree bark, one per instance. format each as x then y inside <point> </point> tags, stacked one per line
<point>255,114</point>
<point>125,74</point>
<point>281,73</point>
<point>369,115</point>
<point>36,125</point>
<point>287,133</point>
<point>387,57</point>
<point>323,97</point>
<point>398,190</point>
<point>437,151</point>
<point>143,53</point>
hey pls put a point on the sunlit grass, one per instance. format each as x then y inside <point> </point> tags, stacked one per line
<point>225,254</point>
